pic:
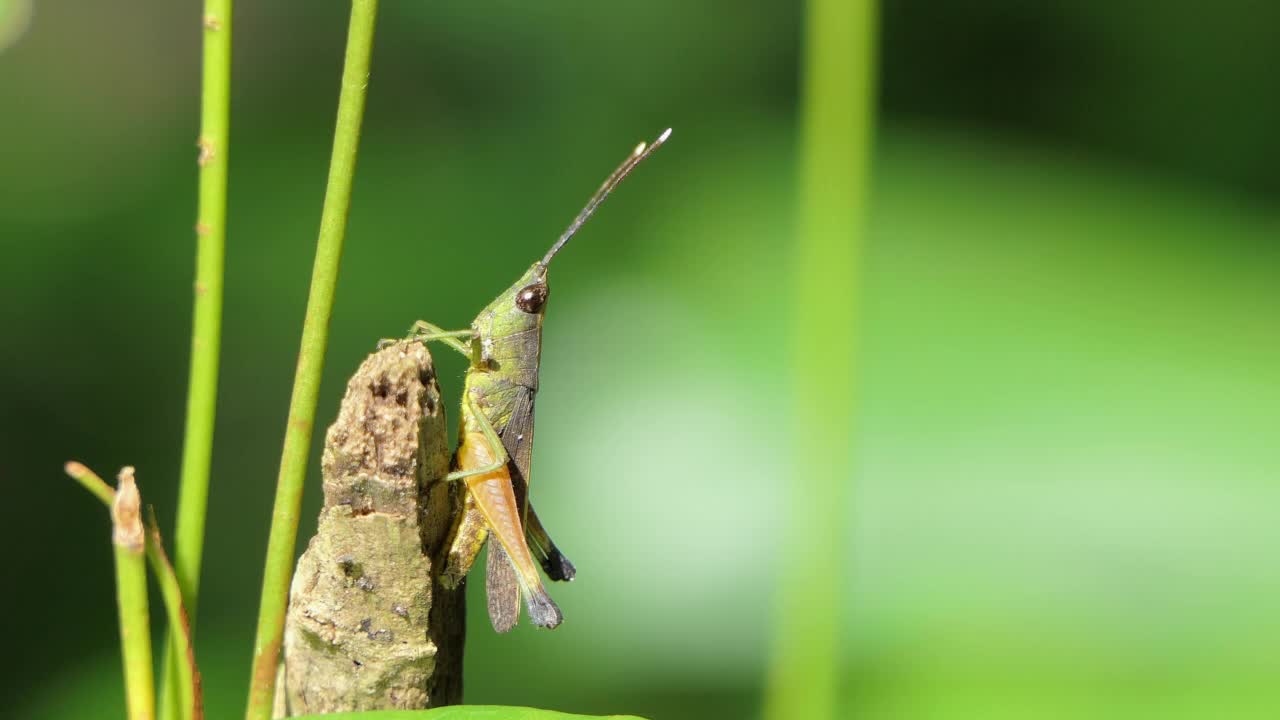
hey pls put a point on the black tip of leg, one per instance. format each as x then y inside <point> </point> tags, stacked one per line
<point>557,566</point>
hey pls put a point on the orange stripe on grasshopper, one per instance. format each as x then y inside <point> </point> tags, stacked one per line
<point>496,500</point>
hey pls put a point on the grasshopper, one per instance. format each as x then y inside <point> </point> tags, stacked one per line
<point>495,441</point>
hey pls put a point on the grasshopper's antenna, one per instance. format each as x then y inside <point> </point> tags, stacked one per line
<point>640,153</point>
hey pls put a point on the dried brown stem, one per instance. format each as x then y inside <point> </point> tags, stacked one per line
<point>370,626</point>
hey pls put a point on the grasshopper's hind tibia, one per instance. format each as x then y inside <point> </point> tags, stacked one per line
<point>554,563</point>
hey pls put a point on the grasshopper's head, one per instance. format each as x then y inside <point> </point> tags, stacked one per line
<point>508,333</point>
<point>519,308</point>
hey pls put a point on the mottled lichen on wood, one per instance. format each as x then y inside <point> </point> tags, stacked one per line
<point>370,624</point>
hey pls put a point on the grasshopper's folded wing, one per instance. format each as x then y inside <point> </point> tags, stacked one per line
<point>502,589</point>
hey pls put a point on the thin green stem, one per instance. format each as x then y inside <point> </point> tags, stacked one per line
<point>187,695</point>
<point>91,482</point>
<point>135,635</point>
<point>306,383</point>
<point>131,595</point>
<point>206,327</point>
<point>183,672</point>
<point>206,334</point>
<point>837,110</point>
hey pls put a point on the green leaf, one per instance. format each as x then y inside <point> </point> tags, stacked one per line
<point>463,712</point>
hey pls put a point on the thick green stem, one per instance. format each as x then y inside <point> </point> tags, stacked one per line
<point>306,384</point>
<point>837,109</point>
<point>206,328</point>
<point>131,595</point>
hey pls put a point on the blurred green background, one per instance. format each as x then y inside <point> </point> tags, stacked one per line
<point>1068,498</point>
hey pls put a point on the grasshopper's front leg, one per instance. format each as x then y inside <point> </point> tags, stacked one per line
<point>426,332</point>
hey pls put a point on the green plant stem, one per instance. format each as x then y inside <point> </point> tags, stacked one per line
<point>837,108</point>
<point>306,384</point>
<point>187,694</point>
<point>207,322</point>
<point>91,482</point>
<point>135,635</point>
<point>206,329</point>
<point>186,678</point>
<point>131,596</point>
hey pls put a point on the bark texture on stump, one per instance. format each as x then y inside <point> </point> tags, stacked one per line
<point>370,626</point>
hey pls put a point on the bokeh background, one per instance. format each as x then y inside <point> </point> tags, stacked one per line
<point>1068,492</point>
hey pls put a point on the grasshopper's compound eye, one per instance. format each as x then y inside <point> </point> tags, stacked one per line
<point>531,298</point>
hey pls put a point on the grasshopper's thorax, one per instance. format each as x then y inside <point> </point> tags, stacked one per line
<point>507,345</point>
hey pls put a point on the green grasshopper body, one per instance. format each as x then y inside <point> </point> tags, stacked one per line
<point>495,445</point>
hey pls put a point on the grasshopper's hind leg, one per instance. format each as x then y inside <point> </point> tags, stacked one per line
<point>554,563</point>
<point>497,451</point>
<point>467,537</point>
